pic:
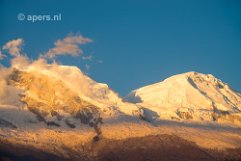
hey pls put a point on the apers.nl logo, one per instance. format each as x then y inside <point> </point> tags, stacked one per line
<point>38,18</point>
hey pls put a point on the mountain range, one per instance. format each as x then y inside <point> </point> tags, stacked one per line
<point>56,112</point>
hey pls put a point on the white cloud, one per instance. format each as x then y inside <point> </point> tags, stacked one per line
<point>14,47</point>
<point>68,46</point>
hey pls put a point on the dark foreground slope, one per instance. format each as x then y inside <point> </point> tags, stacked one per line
<point>149,148</point>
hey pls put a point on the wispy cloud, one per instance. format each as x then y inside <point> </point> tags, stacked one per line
<point>70,45</point>
<point>87,67</point>
<point>87,57</point>
<point>100,61</point>
<point>14,47</point>
<point>2,56</point>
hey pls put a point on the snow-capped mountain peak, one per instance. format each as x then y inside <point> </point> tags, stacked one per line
<point>190,95</point>
<point>59,95</point>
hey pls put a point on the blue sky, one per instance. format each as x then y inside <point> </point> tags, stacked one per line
<point>139,41</point>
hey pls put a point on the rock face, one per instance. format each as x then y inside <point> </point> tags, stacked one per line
<point>192,96</point>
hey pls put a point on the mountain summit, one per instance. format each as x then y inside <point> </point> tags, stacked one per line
<point>192,96</point>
